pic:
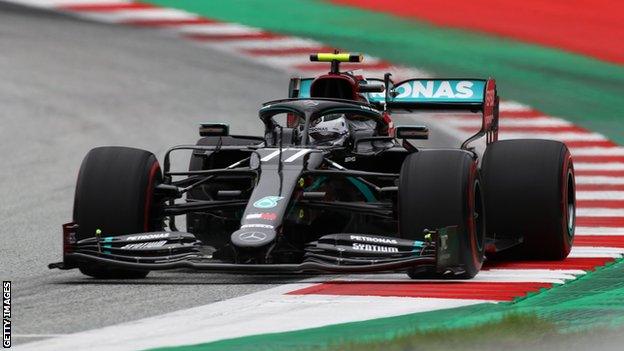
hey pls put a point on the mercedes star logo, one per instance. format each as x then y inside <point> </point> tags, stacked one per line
<point>310,103</point>
<point>252,236</point>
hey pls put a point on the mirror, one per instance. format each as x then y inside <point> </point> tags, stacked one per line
<point>411,132</point>
<point>214,129</point>
<point>287,120</point>
<point>371,87</point>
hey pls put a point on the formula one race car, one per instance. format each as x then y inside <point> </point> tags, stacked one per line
<point>332,186</point>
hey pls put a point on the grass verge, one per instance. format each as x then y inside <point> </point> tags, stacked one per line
<point>513,332</point>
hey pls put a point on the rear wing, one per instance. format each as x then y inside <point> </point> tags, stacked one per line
<point>474,95</point>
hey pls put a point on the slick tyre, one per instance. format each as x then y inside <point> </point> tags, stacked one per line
<point>440,188</point>
<point>115,193</point>
<point>529,191</point>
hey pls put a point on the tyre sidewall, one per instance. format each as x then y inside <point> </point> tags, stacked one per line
<point>436,190</point>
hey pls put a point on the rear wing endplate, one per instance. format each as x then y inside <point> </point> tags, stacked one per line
<point>474,95</point>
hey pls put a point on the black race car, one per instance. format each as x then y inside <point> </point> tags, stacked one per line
<point>294,200</point>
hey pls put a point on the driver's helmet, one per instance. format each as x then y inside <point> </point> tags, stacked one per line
<point>330,130</point>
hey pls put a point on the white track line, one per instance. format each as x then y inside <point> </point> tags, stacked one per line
<point>513,106</point>
<point>597,151</point>
<point>138,14</point>
<point>400,73</point>
<point>516,122</point>
<point>527,275</point>
<point>496,275</point>
<point>217,28</point>
<point>599,180</point>
<point>571,136</point>
<point>599,231</point>
<point>281,43</point>
<point>600,195</point>
<point>611,166</point>
<point>59,3</point>
<point>266,311</point>
<point>590,251</point>
<point>599,212</point>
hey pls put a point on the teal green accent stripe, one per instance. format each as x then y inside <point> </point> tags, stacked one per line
<point>108,239</point>
<point>368,194</point>
<point>304,88</point>
<point>447,91</point>
<point>364,189</point>
<point>317,183</point>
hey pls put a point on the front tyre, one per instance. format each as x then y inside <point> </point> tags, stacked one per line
<point>440,188</point>
<point>115,193</point>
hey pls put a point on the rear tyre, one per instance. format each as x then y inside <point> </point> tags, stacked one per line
<point>440,188</point>
<point>114,193</point>
<point>530,193</point>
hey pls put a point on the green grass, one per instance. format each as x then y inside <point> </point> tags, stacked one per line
<point>512,332</point>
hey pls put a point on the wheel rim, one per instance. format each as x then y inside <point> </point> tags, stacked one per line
<point>571,204</point>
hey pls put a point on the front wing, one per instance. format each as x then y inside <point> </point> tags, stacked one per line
<point>335,253</point>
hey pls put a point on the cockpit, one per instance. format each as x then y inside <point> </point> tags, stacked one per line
<point>319,122</point>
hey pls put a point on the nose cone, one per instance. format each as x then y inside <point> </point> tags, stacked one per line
<point>252,237</point>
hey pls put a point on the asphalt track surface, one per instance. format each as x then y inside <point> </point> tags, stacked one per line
<point>68,85</point>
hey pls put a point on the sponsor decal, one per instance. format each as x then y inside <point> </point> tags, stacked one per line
<point>276,152</point>
<point>257,225</point>
<point>374,248</point>
<point>318,129</point>
<point>6,314</point>
<point>146,245</point>
<point>436,89</point>
<point>373,239</point>
<point>269,216</point>
<point>266,216</point>
<point>377,96</point>
<point>267,202</point>
<point>440,90</point>
<point>148,236</point>
<point>252,236</point>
